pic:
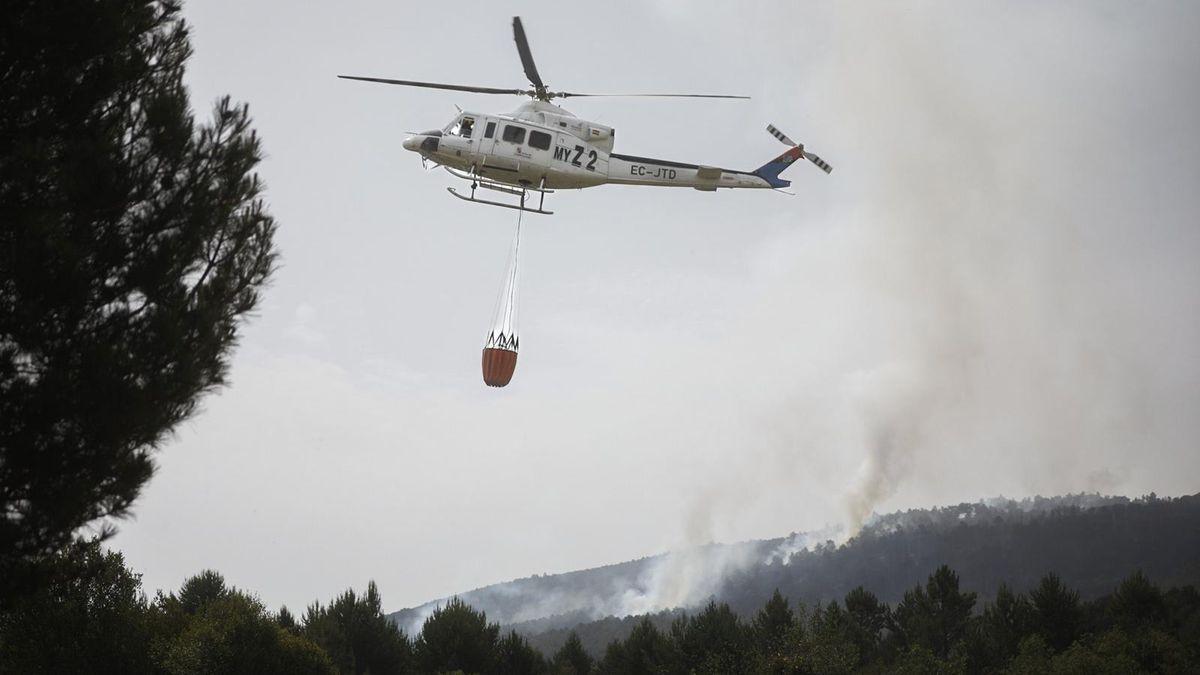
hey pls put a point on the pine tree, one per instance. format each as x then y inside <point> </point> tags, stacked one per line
<point>1003,625</point>
<point>514,656</point>
<point>867,618</point>
<point>1138,603</point>
<point>936,616</point>
<point>646,650</point>
<point>769,628</point>
<point>714,641</point>
<point>133,240</point>
<point>572,658</point>
<point>1057,612</point>
<point>357,635</point>
<point>457,637</point>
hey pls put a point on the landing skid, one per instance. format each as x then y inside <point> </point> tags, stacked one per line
<point>521,192</point>
<point>502,205</point>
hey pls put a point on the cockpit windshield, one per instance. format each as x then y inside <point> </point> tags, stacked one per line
<point>463,126</point>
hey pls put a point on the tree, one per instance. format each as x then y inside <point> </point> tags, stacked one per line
<point>867,618</point>
<point>646,650</point>
<point>1003,625</point>
<point>572,658</point>
<point>515,656</point>
<point>456,637</point>
<point>770,626</point>
<point>357,635</point>
<point>200,590</point>
<point>829,647</point>
<point>132,243</point>
<point>94,618</point>
<point>934,617</point>
<point>714,641</point>
<point>1057,612</point>
<point>1137,603</point>
<point>233,633</point>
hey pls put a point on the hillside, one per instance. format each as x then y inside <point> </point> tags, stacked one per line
<point>1090,540</point>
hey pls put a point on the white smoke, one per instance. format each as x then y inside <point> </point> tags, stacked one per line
<point>969,316</point>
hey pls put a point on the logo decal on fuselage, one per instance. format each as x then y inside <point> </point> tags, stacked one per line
<point>564,154</point>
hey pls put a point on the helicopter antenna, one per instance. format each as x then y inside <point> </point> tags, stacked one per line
<point>538,92</point>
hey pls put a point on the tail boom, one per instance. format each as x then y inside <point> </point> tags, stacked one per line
<point>771,170</point>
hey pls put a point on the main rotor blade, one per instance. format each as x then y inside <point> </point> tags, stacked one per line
<point>527,56</point>
<point>439,85</point>
<point>568,94</point>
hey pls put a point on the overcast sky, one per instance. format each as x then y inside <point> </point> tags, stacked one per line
<point>995,292</point>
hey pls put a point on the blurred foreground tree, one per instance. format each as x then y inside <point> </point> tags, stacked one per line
<point>95,620</point>
<point>132,241</point>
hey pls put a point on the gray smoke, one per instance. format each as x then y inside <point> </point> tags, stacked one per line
<point>1000,298</point>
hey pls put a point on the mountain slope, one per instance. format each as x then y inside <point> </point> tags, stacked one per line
<point>1091,541</point>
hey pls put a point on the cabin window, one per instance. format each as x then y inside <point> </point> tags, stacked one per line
<point>490,130</point>
<point>539,140</point>
<point>514,134</point>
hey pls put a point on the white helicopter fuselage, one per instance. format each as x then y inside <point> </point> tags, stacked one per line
<point>540,145</point>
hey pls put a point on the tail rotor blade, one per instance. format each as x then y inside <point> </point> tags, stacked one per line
<point>819,162</point>
<point>780,135</point>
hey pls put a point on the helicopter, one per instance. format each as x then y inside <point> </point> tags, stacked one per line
<point>541,147</point>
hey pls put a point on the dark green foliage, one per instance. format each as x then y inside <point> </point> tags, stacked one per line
<point>868,617</point>
<point>646,650</point>
<point>828,645</point>
<point>94,619</point>
<point>934,617</point>
<point>571,658</point>
<point>1138,603</point>
<point>998,632</point>
<point>356,635</point>
<point>286,621</point>
<point>1057,614</point>
<point>132,242</point>
<point>200,590</point>
<point>714,641</point>
<point>456,637</point>
<point>769,631</point>
<point>234,634</point>
<point>515,656</point>
<point>210,627</point>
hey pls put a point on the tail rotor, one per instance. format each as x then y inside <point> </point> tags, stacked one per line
<point>783,138</point>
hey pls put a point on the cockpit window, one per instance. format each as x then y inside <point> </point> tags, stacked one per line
<point>462,127</point>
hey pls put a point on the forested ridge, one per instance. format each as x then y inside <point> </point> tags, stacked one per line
<point>100,621</point>
<point>95,616</point>
<point>1091,541</point>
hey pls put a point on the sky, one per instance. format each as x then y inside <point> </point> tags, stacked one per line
<point>994,293</point>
